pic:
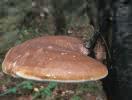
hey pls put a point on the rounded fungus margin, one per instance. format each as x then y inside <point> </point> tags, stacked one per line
<point>34,60</point>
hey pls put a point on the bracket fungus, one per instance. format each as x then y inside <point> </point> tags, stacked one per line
<point>53,58</point>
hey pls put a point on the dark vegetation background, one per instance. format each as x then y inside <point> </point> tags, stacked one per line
<point>21,20</point>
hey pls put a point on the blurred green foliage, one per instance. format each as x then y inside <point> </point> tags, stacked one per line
<point>43,92</point>
<point>12,13</point>
<point>29,85</point>
<point>75,98</point>
<point>23,85</point>
<point>38,17</point>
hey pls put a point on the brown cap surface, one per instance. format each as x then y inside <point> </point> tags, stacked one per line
<point>38,62</point>
<point>58,43</point>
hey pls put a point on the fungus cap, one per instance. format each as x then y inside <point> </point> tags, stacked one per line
<point>57,43</point>
<point>38,62</point>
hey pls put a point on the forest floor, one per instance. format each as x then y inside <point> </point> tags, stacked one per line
<point>19,89</point>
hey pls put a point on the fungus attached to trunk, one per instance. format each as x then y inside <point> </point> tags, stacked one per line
<point>52,58</point>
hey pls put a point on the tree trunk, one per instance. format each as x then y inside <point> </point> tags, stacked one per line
<point>120,74</point>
